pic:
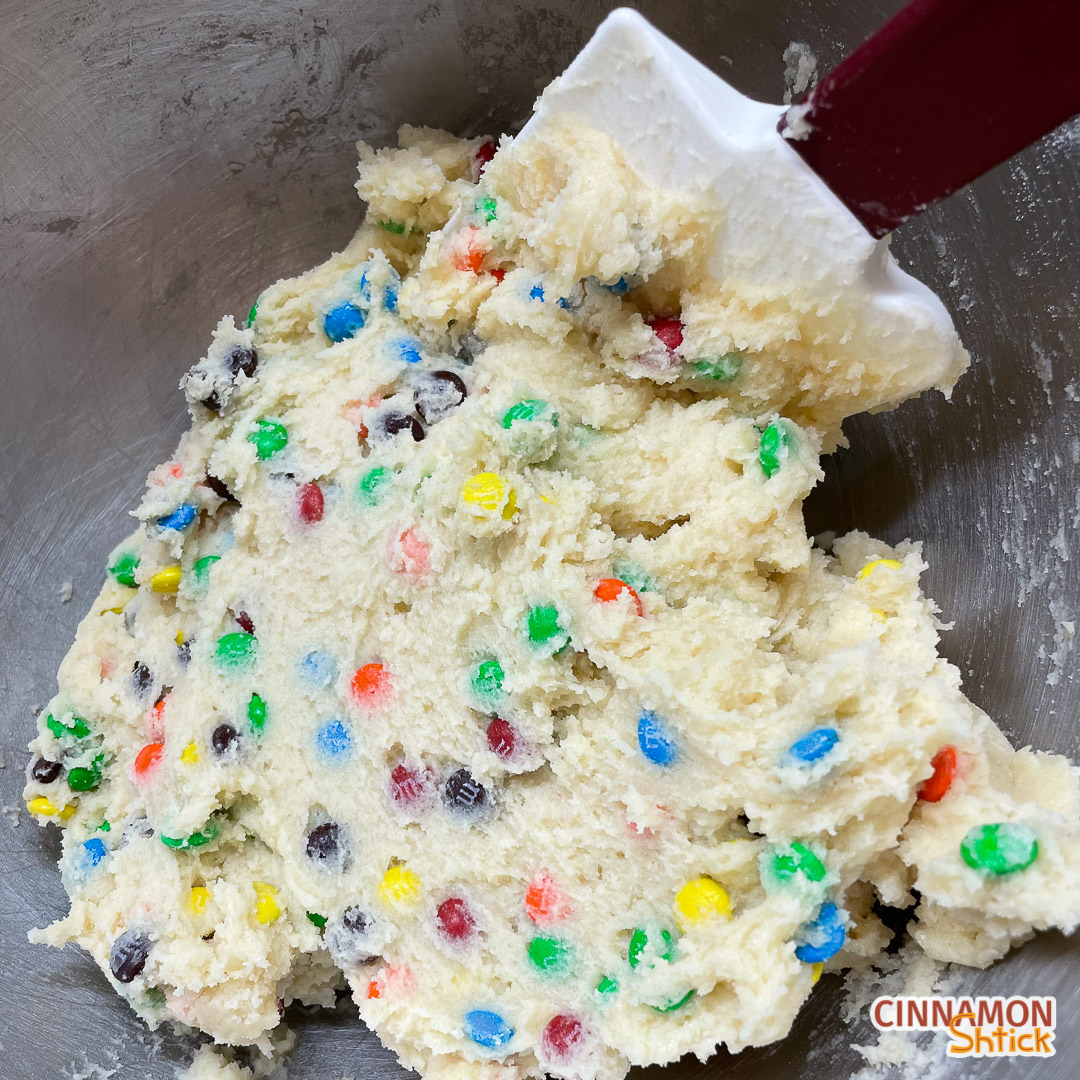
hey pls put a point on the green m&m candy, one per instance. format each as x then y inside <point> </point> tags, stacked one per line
<point>124,567</point>
<point>550,955</point>
<point>718,368</point>
<point>661,941</point>
<point>530,409</point>
<point>371,486</point>
<point>487,681</point>
<point>269,437</point>
<point>998,849</point>
<point>236,650</point>
<point>544,628</point>
<point>77,729</point>
<point>256,712</point>
<point>795,858</point>
<point>774,448</point>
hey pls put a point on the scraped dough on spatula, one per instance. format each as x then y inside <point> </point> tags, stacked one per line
<point>471,651</point>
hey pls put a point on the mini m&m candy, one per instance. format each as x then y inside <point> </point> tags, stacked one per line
<point>197,900</point>
<point>999,849</point>
<point>454,920</point>
<point>412,787</point>
<point>328,846</point>
<point>486,681</point>
<point>93,851</point>
<point>530,409</point>
<point>372,485</point>
<point>269,437</point>
<point>371,685</point>
<point>343,321</point>
<point>468,248</point>
<point>701,900</point>
<point>400,886</point>
<point>611,590</point>
<point>256,713</point>
<point>267,909</point>
<point>334,739</point>
<point>545,901</point>
<point>563,1037</point>
<point>774,448</point>
<point>465,794</point>
<point>486,208</point>
<point>502,738</point>
<point>782,864</point>
<point>310,503</point>
<point>236,650</point>
<point>489,494</point>
<point>719,369</point>
<point>87,777</point>
<point>657,739</point>
<point>487,1028</point>
<point>823,937</point>
<point>128,955</point>
<point>200,838</point>
<point>668,329</point>
<point>648,945</point>
<point>878,564</point>
<point>545,630</point>
<point>45,771</point>
<point>42,807</point>
<point>550,955</point>
<point>944,763</point>
<point>813,746</point>
<point>148,759</point>
<point>166,580</point>
<point>179,519</point>
<point>123,569</point>
<point>77,729</point>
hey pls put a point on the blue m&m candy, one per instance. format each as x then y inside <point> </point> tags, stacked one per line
<point>618,287</point>
<point>536,292</point>
<point>343,322</point>
<point>487,1028</point>
<point>407,350</point>
<point>822,938</point>
<point>814,745</point>
<point>334,739</point>
<point>93,851</point>
<point>179,519</point>
<point>390,297</point>
<point>319,669</point>
<point>657,739</point>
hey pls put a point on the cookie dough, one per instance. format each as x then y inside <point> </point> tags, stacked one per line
<point>471,651</point>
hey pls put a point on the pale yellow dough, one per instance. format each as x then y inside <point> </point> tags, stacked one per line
<point>748,638</point>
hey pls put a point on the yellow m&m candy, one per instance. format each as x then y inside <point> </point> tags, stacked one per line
<point>488,494</point>
<point>266,905</point>
<point>702,899</point>
<point>400,886</point>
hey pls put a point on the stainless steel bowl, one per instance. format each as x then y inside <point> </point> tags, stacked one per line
<point>160,162</point>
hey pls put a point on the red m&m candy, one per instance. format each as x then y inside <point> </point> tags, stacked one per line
<point>309,503</point>
<point>147,759</point>
<point>669,330</point>
<point>454,919</point>
<point>562,1037</point>
<point>934,787</point>
<point>371,685</point>
<point>612,588</point>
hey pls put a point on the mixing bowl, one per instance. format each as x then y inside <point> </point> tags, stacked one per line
<point>161,162</point>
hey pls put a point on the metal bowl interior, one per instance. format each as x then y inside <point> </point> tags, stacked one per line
<point>162,162</point>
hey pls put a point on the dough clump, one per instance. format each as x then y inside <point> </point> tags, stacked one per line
<point>471,652</point>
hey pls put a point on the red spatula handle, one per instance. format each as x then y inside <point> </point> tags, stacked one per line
<point>942,92</point>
